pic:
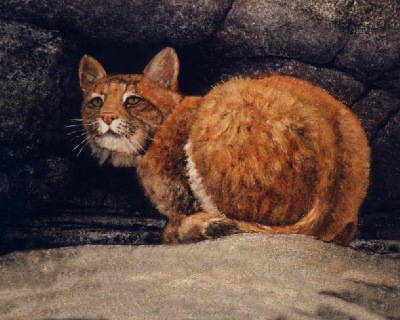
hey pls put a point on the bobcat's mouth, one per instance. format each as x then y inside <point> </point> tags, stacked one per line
<point>115,142</point>
<point>111,133</point>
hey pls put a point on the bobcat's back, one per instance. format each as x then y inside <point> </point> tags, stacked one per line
<point>272,151</point>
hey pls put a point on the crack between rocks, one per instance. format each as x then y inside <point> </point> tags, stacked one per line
<point>339,51</point>
<point>220,22</point>
<point>365,93</point>
<point>381,125</point>
<point>351,31</point>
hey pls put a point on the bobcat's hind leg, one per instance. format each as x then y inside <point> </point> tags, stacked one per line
<point>199,226</point>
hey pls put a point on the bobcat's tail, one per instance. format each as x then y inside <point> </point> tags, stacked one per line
<point>314,223</point>
<point>307,225</point>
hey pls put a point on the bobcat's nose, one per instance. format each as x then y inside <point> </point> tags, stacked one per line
<point>109,117</point>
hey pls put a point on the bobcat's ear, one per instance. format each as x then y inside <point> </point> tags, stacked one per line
<point>90,70</point>
<point>163,69</point>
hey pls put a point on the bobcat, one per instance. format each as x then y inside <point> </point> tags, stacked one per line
<point>267,155</point>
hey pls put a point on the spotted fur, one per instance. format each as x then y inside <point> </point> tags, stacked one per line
<point>267,155</point>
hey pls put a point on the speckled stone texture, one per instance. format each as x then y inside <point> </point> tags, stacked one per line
<point>179,22</point>
<point>349,48</point>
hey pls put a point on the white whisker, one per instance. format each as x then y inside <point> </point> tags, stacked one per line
<point>140,146</point>
<point>83,141</point>
<point>76,132</point>
<point>78,136</point>
<point>73,125</point>
<point>82,145</point>
<point>81,120</point>
<point>130,144</point>
<point>81,149</point>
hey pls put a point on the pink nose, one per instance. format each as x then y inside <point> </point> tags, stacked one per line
<point>109,117</point>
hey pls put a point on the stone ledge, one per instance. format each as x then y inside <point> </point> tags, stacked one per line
<point>240,277</point>
<point>73,228</point>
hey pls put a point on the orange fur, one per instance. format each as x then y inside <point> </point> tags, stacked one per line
<point>266,155</point>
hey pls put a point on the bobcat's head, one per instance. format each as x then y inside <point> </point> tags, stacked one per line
<point>120,113</point>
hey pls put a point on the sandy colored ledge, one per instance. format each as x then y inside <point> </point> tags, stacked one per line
<point>240,277</point>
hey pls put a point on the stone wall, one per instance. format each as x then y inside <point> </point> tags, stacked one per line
<point>350,48</point>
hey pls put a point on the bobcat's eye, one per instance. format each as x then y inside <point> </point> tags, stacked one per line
<point>96,102</point>
<point>132,101</point>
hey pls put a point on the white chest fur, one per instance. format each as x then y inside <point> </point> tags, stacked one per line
<point>196,183</point>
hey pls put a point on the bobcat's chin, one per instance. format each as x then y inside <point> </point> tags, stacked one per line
<point>119,150</point>
<point>115,158</point>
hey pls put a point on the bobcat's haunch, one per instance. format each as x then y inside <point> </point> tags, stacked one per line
<point>268,155</point>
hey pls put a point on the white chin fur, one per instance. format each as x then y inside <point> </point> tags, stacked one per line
<point>120,152</point>
<point>113,142</point>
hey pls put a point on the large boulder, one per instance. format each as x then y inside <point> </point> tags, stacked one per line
<point>340,84</point>
<point>374,42</point>
<point>293,29</point>
<point>143,21</point>
<point>32,75</point>
<point>34,72</point>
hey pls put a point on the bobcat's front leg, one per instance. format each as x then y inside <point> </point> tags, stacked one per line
<point>199,226</point>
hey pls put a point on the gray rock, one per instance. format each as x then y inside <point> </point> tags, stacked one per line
<point>379,113</point>
<point>37,183</point>
<point>341,85</point>
<point>143,21</point>
<point>46,182</point>
<point>79,227</point>
<point>386,160</point>
<point>35,67</point>
<point>310,32</point>
<point>240,277</point>
<point>389,81</point>
<point>32,70</point>
<point>374,14</point>
<point>375,41</point>
<point>370,51</point>
<point>375,110</point>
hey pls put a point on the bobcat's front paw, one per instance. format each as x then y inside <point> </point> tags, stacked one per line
<point>199,227</point>
<point>220,228</point>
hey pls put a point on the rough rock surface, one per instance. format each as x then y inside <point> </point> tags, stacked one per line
<point>340,84</point>
<point>295,29</point>
<point>387,158</point>
<point>31,75</point>
<point>241,277</point>
<point>374,43</point>
<point>176,21</point>
<point>349,48</point>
